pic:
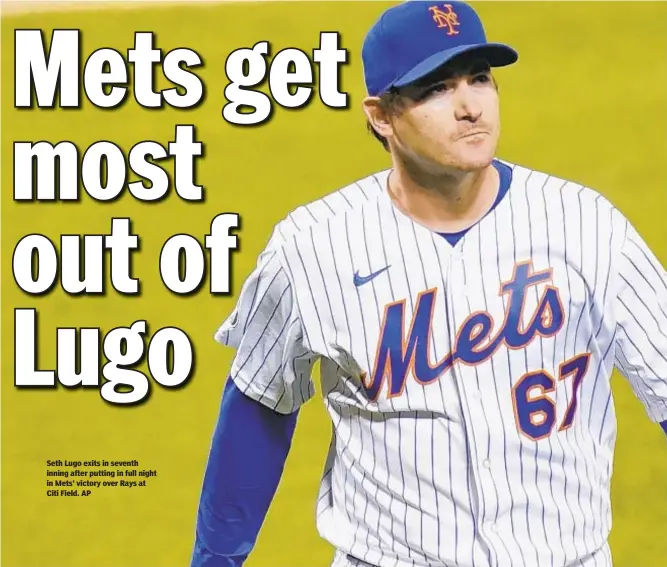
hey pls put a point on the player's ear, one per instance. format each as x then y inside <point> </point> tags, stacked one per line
<point>377,115</point>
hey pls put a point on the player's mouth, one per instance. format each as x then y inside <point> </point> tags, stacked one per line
<point>474,135</point>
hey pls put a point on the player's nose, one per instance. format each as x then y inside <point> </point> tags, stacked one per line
<point>466,104</point>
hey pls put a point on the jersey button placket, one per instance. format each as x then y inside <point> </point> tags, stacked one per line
<point>476,422</point>
<point>464,306</point>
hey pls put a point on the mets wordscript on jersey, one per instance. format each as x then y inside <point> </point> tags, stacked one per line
<point>400,357</point>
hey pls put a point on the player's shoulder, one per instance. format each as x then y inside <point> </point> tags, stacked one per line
<point>325,212</point>
<point>571,192</point>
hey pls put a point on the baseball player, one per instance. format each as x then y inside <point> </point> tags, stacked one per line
<point>467,313</point>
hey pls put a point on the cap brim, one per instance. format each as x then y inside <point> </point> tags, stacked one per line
<point>496,54</point>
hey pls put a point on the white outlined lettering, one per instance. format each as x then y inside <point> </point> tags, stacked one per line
<point>41,158</point>
<point>95,78</point>
<point>44,80</point>
<point>329,56</point>
<point>247,67</point>
<point>35,250</point>
<point>78,356</point>
<point>82,273</point>
<point>26,352</point>
<point>118,371</point>
<point>184,149</point>
<point>237,92</point>
<point>159,180</point>
<point>174,71</point>
<point>170,256</point>
<point>41,167</point>
<point>280,78</point>
<point>221,243</point>
<point>36,264</point>
<point>144,56</point>
<point>35,73</point>
<point>109,156</point>
<point>121,241</point>
<point>182,357</point>
<point>170,354</point>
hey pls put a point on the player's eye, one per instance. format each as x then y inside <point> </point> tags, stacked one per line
<point>435,88</point>
<point>482,78</point>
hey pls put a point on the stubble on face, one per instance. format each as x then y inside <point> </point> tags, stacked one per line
<point>448,122</point>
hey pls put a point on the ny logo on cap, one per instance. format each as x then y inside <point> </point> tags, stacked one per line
<point>445,18</point>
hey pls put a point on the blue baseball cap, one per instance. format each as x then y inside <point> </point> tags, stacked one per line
<point>414,38</point>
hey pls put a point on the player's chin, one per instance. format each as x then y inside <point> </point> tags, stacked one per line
<point>477,155</point>
<point>475,161</point>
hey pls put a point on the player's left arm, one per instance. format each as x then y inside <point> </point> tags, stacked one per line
<point>641,334</point>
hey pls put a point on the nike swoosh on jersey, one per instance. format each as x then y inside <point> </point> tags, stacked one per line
<point>361,280</point>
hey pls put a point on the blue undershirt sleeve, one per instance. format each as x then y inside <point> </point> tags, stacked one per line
<point>269,380</point>
<point>247,456</point>
<point>664,426</point>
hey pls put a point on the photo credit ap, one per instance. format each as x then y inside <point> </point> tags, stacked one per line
<point>333,283</point>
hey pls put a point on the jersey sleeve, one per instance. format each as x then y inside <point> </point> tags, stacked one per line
<point>272,364</point>
<point>641,333</point>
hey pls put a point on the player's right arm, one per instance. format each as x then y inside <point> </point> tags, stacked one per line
<point>269,380</point>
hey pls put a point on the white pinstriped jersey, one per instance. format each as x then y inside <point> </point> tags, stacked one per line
<point>468,385</point>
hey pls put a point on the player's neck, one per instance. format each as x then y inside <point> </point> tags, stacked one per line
<point>445,203</point>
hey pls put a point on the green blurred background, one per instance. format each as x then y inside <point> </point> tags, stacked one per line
<point>587,101</point>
